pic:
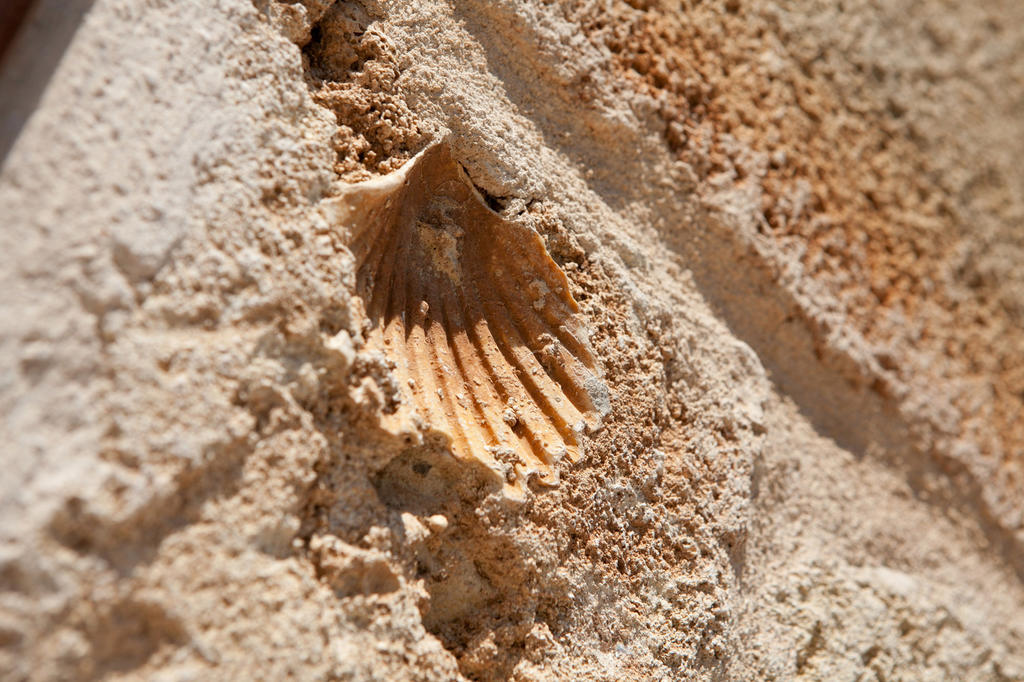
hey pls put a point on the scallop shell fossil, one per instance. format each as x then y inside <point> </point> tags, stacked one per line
<point>485,337</point>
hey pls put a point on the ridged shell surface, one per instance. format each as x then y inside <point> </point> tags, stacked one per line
<point>477,318</point>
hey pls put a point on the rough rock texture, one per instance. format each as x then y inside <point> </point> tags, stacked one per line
<point>795,232</point>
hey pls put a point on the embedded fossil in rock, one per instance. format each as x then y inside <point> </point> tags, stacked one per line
<point>478,319</point>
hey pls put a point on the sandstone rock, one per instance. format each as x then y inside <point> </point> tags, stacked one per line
<point>792,232</point>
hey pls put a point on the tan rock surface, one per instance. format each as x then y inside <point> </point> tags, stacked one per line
<point>795,234</point>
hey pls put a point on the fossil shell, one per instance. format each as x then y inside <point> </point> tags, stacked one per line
<point>478,320</point>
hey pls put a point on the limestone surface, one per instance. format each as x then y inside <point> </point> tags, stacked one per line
<point>774,269</point>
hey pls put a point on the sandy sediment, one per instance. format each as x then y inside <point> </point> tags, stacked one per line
<point>790,245</point>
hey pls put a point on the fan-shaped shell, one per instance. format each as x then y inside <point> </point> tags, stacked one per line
<point>478,319</point>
